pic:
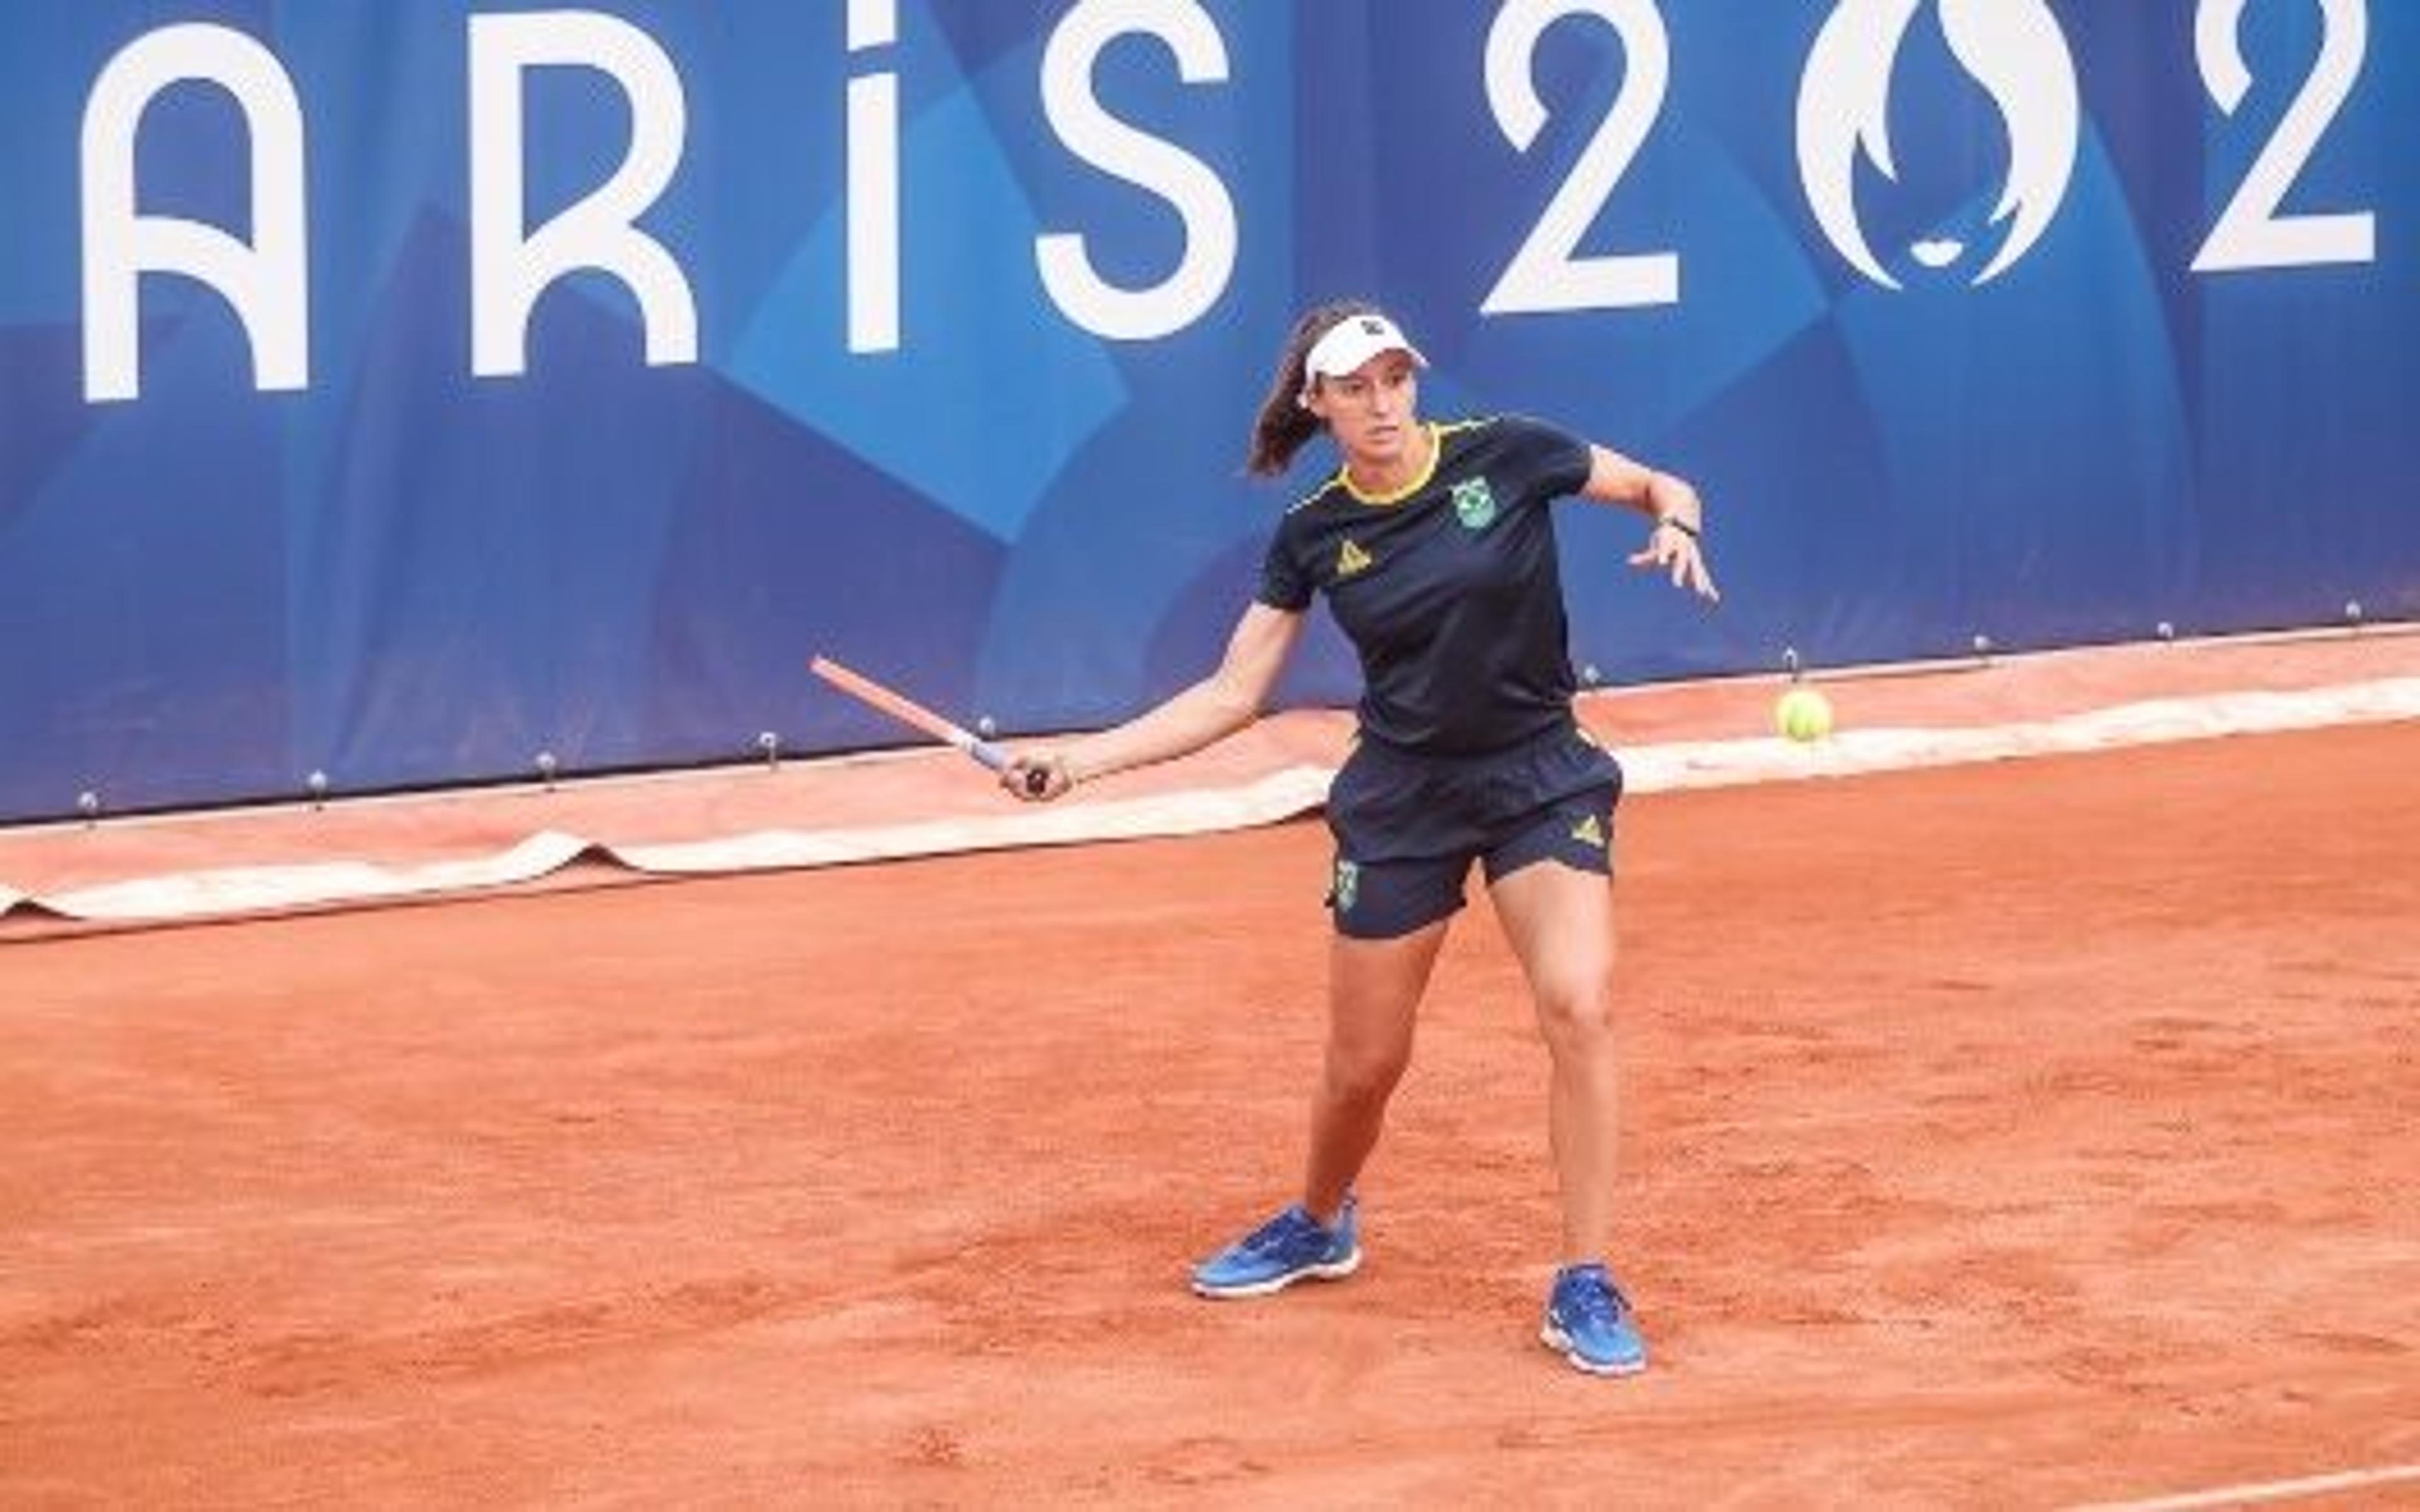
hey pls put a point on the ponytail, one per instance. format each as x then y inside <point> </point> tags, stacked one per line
<point>1284,427</point>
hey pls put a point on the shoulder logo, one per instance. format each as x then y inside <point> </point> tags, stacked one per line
<point>1351,559</point>
<point>1588,832</point>
<point>1474,504</point>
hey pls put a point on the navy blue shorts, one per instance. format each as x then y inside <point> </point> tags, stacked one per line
<point>1408,827</point>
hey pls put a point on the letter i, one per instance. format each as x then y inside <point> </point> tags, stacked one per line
<point>872,184</point>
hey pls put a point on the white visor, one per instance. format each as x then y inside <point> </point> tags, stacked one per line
<point>1352,341</point>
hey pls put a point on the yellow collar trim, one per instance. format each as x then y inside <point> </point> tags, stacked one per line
<point>1436,449</point>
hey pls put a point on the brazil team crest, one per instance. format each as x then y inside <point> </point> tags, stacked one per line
<point>1474,502</point>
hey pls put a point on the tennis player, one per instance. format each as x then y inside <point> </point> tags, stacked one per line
<point>1435,547</point>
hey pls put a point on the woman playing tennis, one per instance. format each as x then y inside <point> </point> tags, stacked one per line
<point>1435,547</point>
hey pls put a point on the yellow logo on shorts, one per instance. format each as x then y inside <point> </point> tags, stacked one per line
<point>1348,887</point>
<point>1588,832</point>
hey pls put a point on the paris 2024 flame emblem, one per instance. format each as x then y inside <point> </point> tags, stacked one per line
<point>2014,51</point>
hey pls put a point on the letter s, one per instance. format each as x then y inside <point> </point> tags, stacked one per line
<point>1140,159</point>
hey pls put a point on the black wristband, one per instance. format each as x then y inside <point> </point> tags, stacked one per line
<point>1677,523</point>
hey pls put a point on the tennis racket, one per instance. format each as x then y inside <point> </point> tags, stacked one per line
<point>916,717</point>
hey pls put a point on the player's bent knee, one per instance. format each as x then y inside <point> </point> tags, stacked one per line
<point>1579,1013</point>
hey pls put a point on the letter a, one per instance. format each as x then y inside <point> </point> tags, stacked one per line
<point>266,279</point>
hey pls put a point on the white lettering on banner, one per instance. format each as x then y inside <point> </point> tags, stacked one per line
<point>2250,233</point>
<point>266,280</point>
<point>1109,144</point>
<point>511,266</point>
<point>1544,274</point>
<point>872,185</point>
<point>2013,48</point>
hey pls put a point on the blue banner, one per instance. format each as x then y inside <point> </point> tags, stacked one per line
<point>399,390</point>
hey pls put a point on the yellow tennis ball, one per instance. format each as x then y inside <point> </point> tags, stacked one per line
<point>1803,714</point>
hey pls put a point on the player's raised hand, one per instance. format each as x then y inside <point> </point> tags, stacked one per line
<point>1672,547</point>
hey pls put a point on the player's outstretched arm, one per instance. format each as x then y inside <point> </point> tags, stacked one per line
<point>1210,710</point>
<point>1674,542</point>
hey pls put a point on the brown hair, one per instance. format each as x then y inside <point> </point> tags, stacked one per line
<point>1284,427</point>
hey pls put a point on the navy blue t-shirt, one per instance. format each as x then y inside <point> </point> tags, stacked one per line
<point>1451,590</point>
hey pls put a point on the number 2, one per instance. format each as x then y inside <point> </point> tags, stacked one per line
<point>1546,275</point>
<point>2250,233</point>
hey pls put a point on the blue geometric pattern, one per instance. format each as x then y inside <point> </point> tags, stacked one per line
<point>404,575</point>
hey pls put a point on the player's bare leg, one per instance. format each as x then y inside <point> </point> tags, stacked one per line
<point>1374,988</point>
<point>1559,922</point>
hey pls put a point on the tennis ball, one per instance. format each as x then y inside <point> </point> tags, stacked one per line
<point>1803,714</point>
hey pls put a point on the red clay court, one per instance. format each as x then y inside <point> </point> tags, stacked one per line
<point>2002,1132</point>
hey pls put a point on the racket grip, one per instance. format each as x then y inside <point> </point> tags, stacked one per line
<point>1037,779</point>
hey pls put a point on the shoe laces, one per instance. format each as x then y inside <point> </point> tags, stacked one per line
<point>1592,1295</point>
<point>1286,1228</point>
<point>1296,1227</point>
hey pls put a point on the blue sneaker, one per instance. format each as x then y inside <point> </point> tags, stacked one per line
<point>1293,1247</point>
<point>1589,1321</point>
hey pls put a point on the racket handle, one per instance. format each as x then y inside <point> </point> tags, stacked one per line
<point>1037,779</point>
